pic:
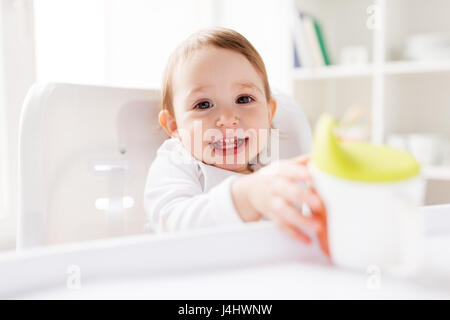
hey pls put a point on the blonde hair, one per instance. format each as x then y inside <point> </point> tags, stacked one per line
<point>217,37</point>
<point>220,38</point>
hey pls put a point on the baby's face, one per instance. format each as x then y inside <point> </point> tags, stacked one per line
<point>220,107</point>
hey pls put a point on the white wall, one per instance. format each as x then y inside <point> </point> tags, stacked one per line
<point>265,23</point>
<point>70,40</point>
<point>141,34</point>
<point>113,42</point>
<point>127,42</point>
<point>17,73</point>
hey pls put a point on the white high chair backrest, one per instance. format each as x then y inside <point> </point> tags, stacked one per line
<point>84,157</point>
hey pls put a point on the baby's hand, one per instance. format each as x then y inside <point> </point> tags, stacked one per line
<point>276,192</point>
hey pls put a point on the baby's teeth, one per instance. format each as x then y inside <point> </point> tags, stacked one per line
<point>228,143</point>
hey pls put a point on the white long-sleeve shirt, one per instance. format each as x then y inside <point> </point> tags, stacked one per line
<point>183,193</point>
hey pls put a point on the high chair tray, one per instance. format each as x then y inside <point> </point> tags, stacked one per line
<point>252,261</point>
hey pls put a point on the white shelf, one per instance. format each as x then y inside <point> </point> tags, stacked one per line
<point>437,172</point>
<point>407,67</point>
<point>389,68</point>
<point>331,72</point>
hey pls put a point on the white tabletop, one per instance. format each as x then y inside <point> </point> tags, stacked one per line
<point>256,261</point>
<point>282,280</point>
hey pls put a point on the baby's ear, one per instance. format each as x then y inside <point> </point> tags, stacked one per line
<point>167,121</point>
<point>272,108</point>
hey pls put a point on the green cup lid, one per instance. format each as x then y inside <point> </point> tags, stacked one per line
<point>359,161</point>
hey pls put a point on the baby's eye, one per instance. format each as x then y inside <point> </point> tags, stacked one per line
<point>244,99</point>
<point>203,105</point>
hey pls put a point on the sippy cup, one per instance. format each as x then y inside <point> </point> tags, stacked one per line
<point>372,194</point>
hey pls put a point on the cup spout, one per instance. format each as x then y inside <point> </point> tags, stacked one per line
<point>359,161</point>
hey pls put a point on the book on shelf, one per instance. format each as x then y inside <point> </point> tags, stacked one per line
<point>321,39</point>
<point>309,46</point>
<point>296,56</point>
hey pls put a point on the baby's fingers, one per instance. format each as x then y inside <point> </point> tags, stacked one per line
<point>320,213</point>
<point>323,241</point>
<point>296,194</point>
<point>317,206</point>
<point>293,232</point>
<point>292,216</point>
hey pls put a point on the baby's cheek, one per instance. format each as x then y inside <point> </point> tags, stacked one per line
<point>199,147</point>
<point>191,141</point>
<point>209,157</point>
<point>263,134</point>
<point>262,140</point>
<point>202,149</point>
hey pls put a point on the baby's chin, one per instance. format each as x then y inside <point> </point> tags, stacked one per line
<point>239,168</point>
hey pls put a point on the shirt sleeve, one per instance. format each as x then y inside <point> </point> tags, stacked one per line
<point>174,199</point>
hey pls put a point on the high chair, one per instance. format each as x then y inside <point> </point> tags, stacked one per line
<point>84,156</point>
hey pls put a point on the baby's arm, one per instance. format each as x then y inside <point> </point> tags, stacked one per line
<point>275,192</point>
<point>174,199</point>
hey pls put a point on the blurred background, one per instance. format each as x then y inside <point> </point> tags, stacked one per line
<point>381,67</point>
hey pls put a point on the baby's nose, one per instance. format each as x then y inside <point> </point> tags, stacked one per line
<point>230,121</point>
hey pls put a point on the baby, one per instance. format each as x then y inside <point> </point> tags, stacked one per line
<point>218,109</point>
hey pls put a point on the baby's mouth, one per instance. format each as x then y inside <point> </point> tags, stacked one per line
<point>229,143</point>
